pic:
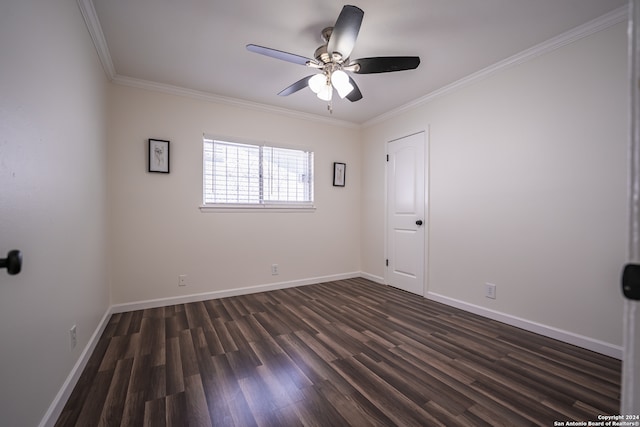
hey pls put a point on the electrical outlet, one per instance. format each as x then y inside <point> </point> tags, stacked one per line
<point>490,290</point>
<point>182,280</point>
<point>73,338</point>
<point>275,270</point>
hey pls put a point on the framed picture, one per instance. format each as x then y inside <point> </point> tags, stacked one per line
<point>339,173</point>
<point>158,156</point>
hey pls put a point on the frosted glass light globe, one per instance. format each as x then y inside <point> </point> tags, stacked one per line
<point>317,82</point>
<point>340,81</point>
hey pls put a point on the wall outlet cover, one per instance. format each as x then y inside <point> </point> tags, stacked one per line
<point>490,290</point>
<point>182,280</point>
<point>73,337</point>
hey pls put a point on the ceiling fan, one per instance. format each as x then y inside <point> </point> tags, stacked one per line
<point>332,59</point>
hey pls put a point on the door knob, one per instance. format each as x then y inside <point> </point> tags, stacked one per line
<point>419,222</point>
<point>631,281</point>
<point>13,262</point>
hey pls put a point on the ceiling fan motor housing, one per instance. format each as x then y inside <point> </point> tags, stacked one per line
<point>322,55</point>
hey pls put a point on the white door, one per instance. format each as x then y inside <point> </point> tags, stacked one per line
<point>630,402</point>
<point>406,222</point>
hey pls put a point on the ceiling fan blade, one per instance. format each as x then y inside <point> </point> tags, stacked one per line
<point>386,64</point>
<point>278,54</point>
<point>300,84</point>
<point>345,31</point>
<point>355,94</point>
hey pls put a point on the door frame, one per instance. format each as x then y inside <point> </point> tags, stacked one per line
<point>427,161</point>
<point>630,393</point>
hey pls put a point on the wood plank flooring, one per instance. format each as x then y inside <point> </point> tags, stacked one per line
<point>349,352</point>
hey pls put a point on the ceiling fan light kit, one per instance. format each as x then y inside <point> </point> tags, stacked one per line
<point>323,84</point>
<point>332,58</point>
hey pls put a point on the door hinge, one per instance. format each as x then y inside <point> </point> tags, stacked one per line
<point>387,263</point>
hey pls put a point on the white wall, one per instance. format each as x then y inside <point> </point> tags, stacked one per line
<point>527,190</point>
<point>52,200</point>
<point>158,231</point>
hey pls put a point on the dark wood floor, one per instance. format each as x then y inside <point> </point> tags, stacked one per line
<point>350,352</point>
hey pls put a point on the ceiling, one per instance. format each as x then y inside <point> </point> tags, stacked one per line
<point>199,45</point>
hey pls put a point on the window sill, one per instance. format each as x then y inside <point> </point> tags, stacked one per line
<point>233,208</point>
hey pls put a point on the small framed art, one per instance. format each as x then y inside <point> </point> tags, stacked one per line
<point>158,156</point>
<point>339,174</point>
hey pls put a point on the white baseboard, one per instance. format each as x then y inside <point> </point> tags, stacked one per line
<point>184,299</point>
<point>56,407</point>
<point>528,325</point>
<point>373,278</point>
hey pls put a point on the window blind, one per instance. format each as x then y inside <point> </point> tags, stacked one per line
<point>256,175</point>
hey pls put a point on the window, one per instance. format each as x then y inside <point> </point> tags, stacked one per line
<point>256,176</point>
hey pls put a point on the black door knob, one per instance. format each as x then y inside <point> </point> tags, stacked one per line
<point>631,281</point>
<point>13,262</point>
<point>419,222</point>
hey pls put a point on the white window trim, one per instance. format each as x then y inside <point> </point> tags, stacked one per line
<point>255,207</point>
<point>238,208</point>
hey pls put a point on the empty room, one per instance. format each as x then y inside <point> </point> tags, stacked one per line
<point>314,213</point>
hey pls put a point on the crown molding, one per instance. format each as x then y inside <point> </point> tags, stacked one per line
<point>234,102</point>
<point>95,30</point>
<point>605,21</point>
